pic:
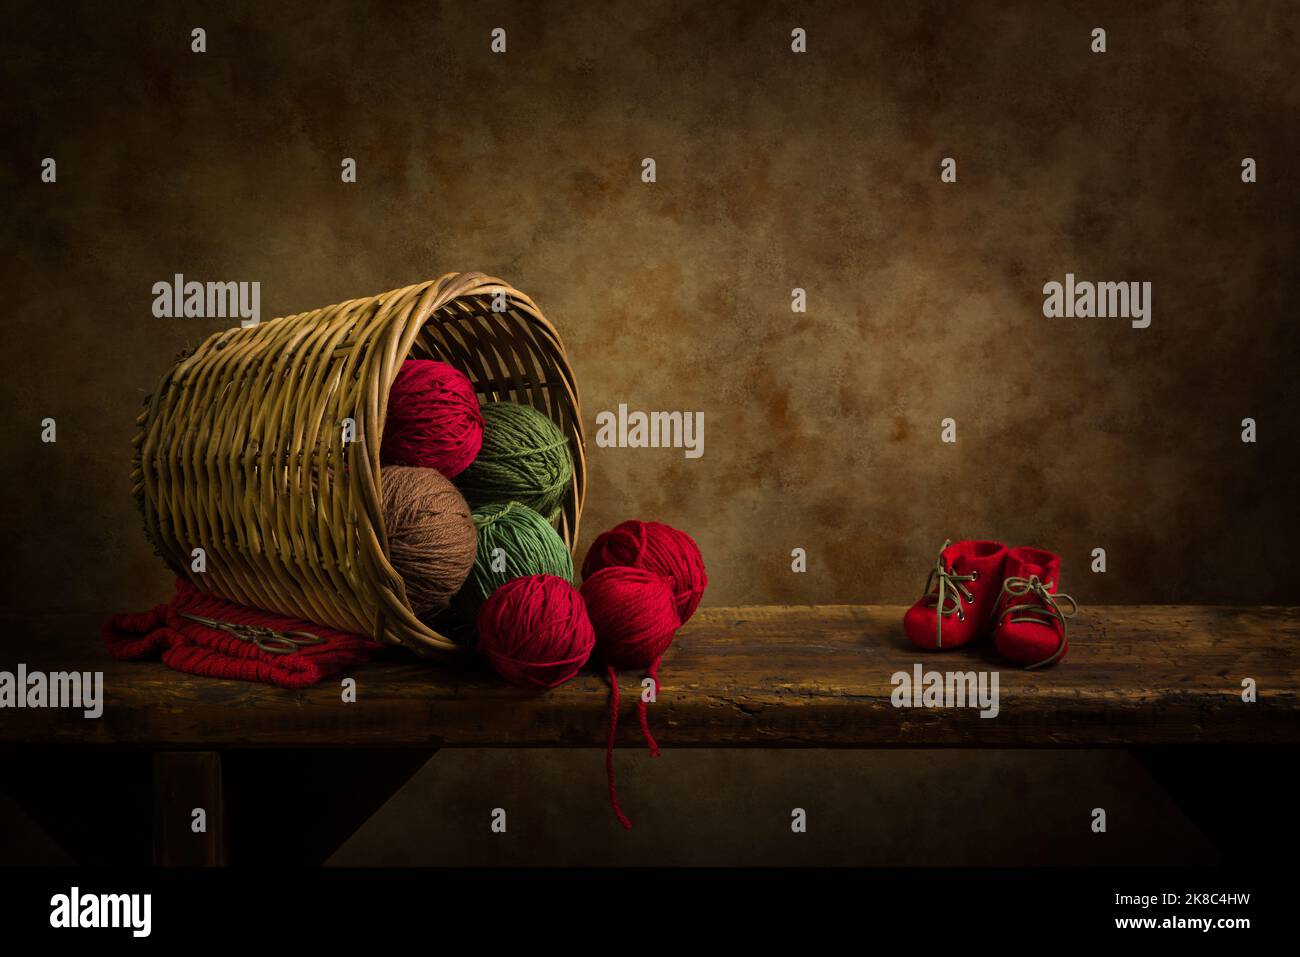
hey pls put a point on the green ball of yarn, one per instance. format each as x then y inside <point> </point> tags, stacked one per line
<point>525,458</point>
<point>513,542</point>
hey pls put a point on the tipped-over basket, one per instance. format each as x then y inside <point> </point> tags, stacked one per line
<point>262,447</point>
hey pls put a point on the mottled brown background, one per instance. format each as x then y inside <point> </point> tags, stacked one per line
<point>774,171</point>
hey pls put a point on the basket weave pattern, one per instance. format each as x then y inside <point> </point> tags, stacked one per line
<point>241,446</point>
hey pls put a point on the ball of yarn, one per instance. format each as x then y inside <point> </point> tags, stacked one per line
<point>525,458</point>
<point>433,418</point>
<point>513,542</point>
<point>535,631</point>
<point>656,548</point>
<point>641,582</point>
<point>634,614</point>
<point>431,538</point>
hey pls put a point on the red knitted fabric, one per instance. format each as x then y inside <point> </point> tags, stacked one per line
<point>199,650</point>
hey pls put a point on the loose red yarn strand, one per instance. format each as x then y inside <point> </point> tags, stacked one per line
<point>641,709</point>
<point>609,748</point>
<point>641,583</point>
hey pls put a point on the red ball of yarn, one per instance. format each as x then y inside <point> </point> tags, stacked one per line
<point>433,418</point>
<point>535,631</point>
<point>657,548</point>
<point>634,614</point>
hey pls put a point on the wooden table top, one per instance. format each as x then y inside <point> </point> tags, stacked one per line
<point>736,677</point>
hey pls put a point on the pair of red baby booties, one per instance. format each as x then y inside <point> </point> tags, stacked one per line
<point>978,588</point>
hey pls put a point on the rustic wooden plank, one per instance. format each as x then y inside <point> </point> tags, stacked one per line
<point>745,677</point>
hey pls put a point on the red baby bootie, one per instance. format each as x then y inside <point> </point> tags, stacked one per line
<point>1030,625</point>
<point>961,594</point>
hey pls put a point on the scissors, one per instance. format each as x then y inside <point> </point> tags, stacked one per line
<point>267,639</point>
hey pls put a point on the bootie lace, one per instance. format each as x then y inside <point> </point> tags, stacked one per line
<point>1040,614</point>
<point>950,588</point>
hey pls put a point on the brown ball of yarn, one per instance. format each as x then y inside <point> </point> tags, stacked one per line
<point>432,542</point>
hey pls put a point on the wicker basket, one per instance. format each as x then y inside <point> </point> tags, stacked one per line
<point>241,449</point>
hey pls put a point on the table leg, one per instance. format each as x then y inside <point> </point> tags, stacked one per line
<point>188,792</point>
